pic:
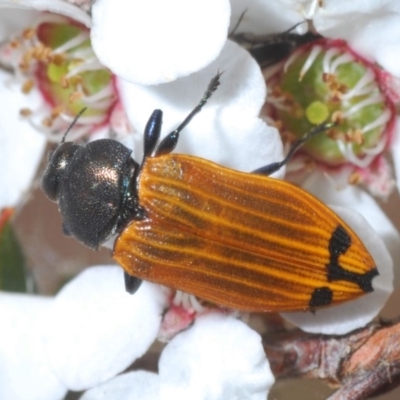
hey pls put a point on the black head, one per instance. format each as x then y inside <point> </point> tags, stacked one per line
<point>95,188</point>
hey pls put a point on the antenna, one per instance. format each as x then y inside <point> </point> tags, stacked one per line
<point>72,124</point>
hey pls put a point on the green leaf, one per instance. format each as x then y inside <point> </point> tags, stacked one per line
<point>12,262</point>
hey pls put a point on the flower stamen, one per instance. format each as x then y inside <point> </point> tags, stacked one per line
<point>326,61</point>
<point>342,59</point>
<point>325,80</point>
<point>316,50</point>
<point>54,56</point>
<point>376,99</point>
<point>28,86</point>
<point>363,86</point>
<point>75,42</point>
<point>187,301</point>
<point>381,121</point>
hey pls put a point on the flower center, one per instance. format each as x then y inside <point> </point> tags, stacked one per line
<point>55,56</point>
<point>326,80</point>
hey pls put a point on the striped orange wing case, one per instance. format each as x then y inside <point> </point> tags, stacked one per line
<point>241,240</point>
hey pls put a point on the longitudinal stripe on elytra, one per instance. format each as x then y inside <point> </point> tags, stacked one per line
<point>299,233</point>
<point>273,254</point>
<point>238,233</point>
<point>213,272</point>
<point>307,242</point>
<point>170,187</point>
<point>274,191</point>
<point>168,250</point>
<point>161,245</point>
<point>224,273</point>
<point>184,209</point>
<point>149,189</point>
<point>188,204</point>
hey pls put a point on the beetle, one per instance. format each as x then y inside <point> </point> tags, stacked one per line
<point>241,240</point>
<point>270,49</point>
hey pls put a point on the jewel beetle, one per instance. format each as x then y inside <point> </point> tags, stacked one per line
<point>241,240</point>
<point>270,49</point>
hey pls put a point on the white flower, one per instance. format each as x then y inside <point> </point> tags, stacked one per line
<point>371,28</point>
<point>93,329</point>
<point>16,14</point>
<point>21,143</point>
<point>24,370</point>
<point>188,366</point>
<point>156,41</point>
<point>370,34</point>
<point>204,362</point>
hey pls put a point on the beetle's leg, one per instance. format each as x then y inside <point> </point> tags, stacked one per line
<point>132,283</point>
<point>170,141</point>
<point>152,132</point>
<point>271,168</point>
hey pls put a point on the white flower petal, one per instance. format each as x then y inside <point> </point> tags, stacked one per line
<point>24,371</point>
<point>372,28</point>
<point>157,41</point>
<point>137,385</point>
<point>96,329</point>
<point>379,235</point>
<point>55,6</point>
<point>216,359</point>
<point>240,144</point>
<point>227,130</point>
<point>242,90</point>
<point>21,146</point>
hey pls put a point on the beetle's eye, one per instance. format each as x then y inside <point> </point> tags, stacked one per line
<point>58,162</point>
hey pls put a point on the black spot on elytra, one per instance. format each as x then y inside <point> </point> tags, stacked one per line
<point>321,297</point>
<point>339,243</point>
